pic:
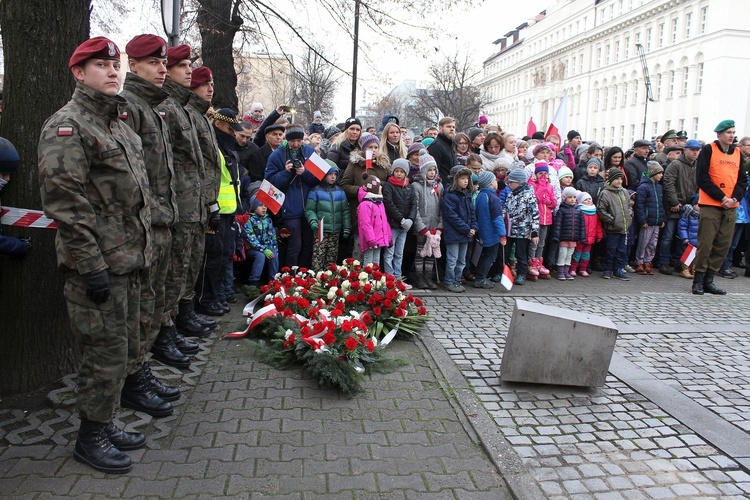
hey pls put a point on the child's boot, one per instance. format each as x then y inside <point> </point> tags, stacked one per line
<point>561,273</point>
<point>583,268</point>
<point>534,267</point>
<point>542,270</point>
<point>568,275</point>
<point>573,268</point>
<point>685,272</point>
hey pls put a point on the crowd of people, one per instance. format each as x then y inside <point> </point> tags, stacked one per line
<point>159,205</point>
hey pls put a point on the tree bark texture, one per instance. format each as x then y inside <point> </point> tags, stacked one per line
<point>218,22</point>
<point>36,346</point>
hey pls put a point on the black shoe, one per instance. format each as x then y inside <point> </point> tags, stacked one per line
<point>620,275</point>
<point>122,440</point>
<point>186,325</point>
<point>186,347</point>
<point>138,394</point>
<point>94,449</point>
<point>164,391</point>
<point>418,281</point>
<point>698,284</point>
<point>231,299</point>
<point>725,273</point>
<point>665,269</point>
<point>211,310</point>
<point>430,284</point>
<point>223,304</point>
<point>189,310</point>
<point>165,351</point>
<point>709,287</point>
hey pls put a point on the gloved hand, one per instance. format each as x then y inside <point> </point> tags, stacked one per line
<point>406,224</point>
<point>213,216</point>
<point>28,243</point>
<point>269,253</point>
<point>314,226</point>
<point>346,234</point>
<point>97,286</point>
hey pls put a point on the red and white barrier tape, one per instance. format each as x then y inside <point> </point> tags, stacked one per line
<point>21,217</point>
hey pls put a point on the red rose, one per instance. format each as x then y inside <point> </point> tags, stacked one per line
<point>303,269</point>
<point>372,301</point>
<point>387,303</point>
<point>366,318</point>
<point>377,275</point>
<point>264,288</point>
<point>377,311</point>
<point>417,301</point>
<point>343,273</point>
<point>290,341</point>
<point>278,302</point>
<point>351,299</point>
<point>353,276</point>
<point>329,338</point>
<point>399,313</point>
<point>340,306</point>
<point>285,269</point>
<point>422,311</point>
<point>361,338</point>
<point>402,304</point>
<point>370,345</point>
<point>339,293</point>
<point>367,288</point>
<point>347,326</point>
<point>303,303</point>
<point>355,285</point>
<point>375,267</point>
<point>336,312</point>
<point>377,297</point>
<point>333,282</point>
<point>360,297</point>
<point>348,261</point>
<point>350,343</point>
<point>290,300</point>
<point>391,294</point>
<point>368,269</point>
<point>400,285</point>
<point>287,312</point>
<point>323,278</point>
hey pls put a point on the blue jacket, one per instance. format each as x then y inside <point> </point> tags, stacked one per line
<point>569,224</point>
<point>687,226</point>
<point>459,217</point>
<point>649,203</point>
<point>295,187</point>
<point>502,195</point>
<point>489,218</point>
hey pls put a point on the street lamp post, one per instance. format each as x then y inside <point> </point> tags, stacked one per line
<point>354,59</point>
<point>170,17</point>
<point>647,80</point>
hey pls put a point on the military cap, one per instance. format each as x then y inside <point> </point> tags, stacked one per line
<point>177,54</point>
<point>640,143</point>
<point>201,75</point>
<point>146,46</point>
<point>682,134</point>
<point>229,116</point>
<point>724,125</point>
<point>669,134</point>
<point>94,48</point>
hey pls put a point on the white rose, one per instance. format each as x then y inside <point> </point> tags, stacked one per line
<point>363,276</point>
<point>332,292</point>
<point>345,285</point>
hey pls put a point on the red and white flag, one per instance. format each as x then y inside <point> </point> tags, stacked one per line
<point>22,217</point>
<point>260,315</point>
<point>317,166</point>
<point>688,255</point>
<point>270,196</point>
<point>531,127</point>
<point>368,159</point>
<point>559,125</point>
<point>507,279</point>
<point>321,235</point>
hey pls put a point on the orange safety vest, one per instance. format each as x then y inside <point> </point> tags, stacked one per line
<point>723,171</point>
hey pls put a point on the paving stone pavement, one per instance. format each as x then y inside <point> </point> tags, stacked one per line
<point>443,426</point>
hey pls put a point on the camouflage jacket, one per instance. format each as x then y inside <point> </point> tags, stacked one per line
<point>188,164</point>
<point>93,183</point>
<point>197,108</point>
<point>141,115</point>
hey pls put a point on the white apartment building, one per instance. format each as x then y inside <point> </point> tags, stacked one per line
<point>697,54</point>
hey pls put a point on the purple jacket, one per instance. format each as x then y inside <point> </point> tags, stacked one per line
<point>374,229</point>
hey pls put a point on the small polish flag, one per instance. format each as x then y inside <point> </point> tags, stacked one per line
<point>64,131</point>
<point>688,255</point>
<point>507,279</point>
<point>317,166</point>
<point>321,235</point>
<point>270,196</point>
<point>368,159</point>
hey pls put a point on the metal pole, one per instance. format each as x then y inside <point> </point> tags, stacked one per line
<point>174,37</point>
<point>647,81</point>
<point>645,115</point>
<point>354,58</point>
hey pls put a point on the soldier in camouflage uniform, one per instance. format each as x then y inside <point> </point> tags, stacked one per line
<point>188,169</point>
<point>147,61</point>
<point>94,185</point>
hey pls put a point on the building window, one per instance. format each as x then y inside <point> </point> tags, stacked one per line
<point>606,57</point>
<point>674,31</point>
<point>685,73</point>
<point>599,57</point>
<point>671,84</point>
<point>635,92</point>
<point>596,101</point>
<point>612,134</point>
<point>699,86</point>
<point>656,128</point>
<point>682,124</point>
<point>648,39</point>
<point>606,99</point>
<point>622,134</point>
<point>580,62</point>
<point>704,15</point>
<point>617,50</point>
<point>661,35</point>
<point>573,66</point>
<point>632,134</point>
<point>668,124</point>
<point>624,94</point>
<point>688,23</point>
<point>658,87</point>
<point>604,135</point>
<point>695,127</point>
<point>627,47</point>
<point>614,97</point>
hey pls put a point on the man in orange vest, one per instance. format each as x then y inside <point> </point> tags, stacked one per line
<point>721,184</point>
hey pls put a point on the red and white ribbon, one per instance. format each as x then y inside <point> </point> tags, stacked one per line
<point>22,217</point>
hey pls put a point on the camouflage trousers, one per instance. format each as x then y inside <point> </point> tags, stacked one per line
<point>108,338</point>
<point>153,285</point>
<point>325,252</point>
<point>188,241</point>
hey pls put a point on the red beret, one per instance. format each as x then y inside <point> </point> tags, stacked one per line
<point>177,54</point>
<point>201,75</point>
<point>94,48</point>
<point>146,46</point>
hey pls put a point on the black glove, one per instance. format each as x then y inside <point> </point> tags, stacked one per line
<point>97,286</point>
<point>28,242</point>
<point>213,216</point>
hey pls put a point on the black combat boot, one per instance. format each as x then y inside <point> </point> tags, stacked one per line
<point>122,440</point>
<point>186,325</point>
<point>164,391</point>
<point>94,449</point>
<point>708,285</point>
<point>185,346</point>
<point>138,394</point>
<point>213,309</point>
<point>698,283</point>
<point>166,352</point>
<point>202,320</point>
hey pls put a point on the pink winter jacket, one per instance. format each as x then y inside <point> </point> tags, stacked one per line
<point>546,200</point>
<point>374,229</point>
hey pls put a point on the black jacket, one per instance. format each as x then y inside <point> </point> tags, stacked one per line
<point>569,224</point>
<point>442,151</point>
<point>399,203</point>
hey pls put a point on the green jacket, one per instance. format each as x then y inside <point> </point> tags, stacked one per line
<point>188,164</point>
<point>142,116</point>
<point>93,183</point>
<point>198,109</point>
<point>614,210</point>
<point>328,203</point>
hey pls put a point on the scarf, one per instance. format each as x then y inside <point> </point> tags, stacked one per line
<point>396,182</point>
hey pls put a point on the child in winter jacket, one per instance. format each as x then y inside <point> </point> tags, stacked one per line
<point>592,182</point>
<point>491,226</point>
<point>546,205</point>
<point>580,262</point>
<point>522,213</point>
<point>399,208</point>
<point>614,212</point>
<point>649,212</point>
<point>687,231</point>
<point>327,206</point>
<point>569,230</point>
<point>428,220</point>
<point>374,230</point>
<point>459,227</point>
<point>261,238</point>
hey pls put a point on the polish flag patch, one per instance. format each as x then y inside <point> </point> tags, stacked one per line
<point>64,131</point>
<point>124,115</point>
<point>162,114</point>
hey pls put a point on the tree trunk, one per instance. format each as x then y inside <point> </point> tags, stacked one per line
<point>219,21</point>
<point>36,346</point>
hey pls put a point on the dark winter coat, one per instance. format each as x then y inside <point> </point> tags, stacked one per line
<point>442,150</point>
<point>633,171</point>
<point>592,185</point>
<point>399,203</point>
<point>339,154</point>
<point>649,203</point>
<point>679,184</point>
<point>459,217</point>
<point>489,218</point>
<point>316,128</point>
<point>522,212</point>
<point>295,187</point>
<point>327,202</point>
<point>569,224</point>
<point>613,208</point>
<point>687,226</point>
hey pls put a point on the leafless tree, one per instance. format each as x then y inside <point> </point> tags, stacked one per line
<point>314,86</point>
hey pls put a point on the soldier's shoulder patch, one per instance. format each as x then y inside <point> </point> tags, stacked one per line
<point>124,115</point>
<point>64,131</point>
<point>163,114</point>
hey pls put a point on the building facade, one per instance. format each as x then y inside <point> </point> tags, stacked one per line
<point>695,53</point>
<point>264,78</point>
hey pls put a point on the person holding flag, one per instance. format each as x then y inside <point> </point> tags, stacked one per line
<point>327,212</point>
<point>261,238</point>
<point>286,170</point>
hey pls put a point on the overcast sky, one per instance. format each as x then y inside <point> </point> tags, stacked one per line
<point>471,29</point>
